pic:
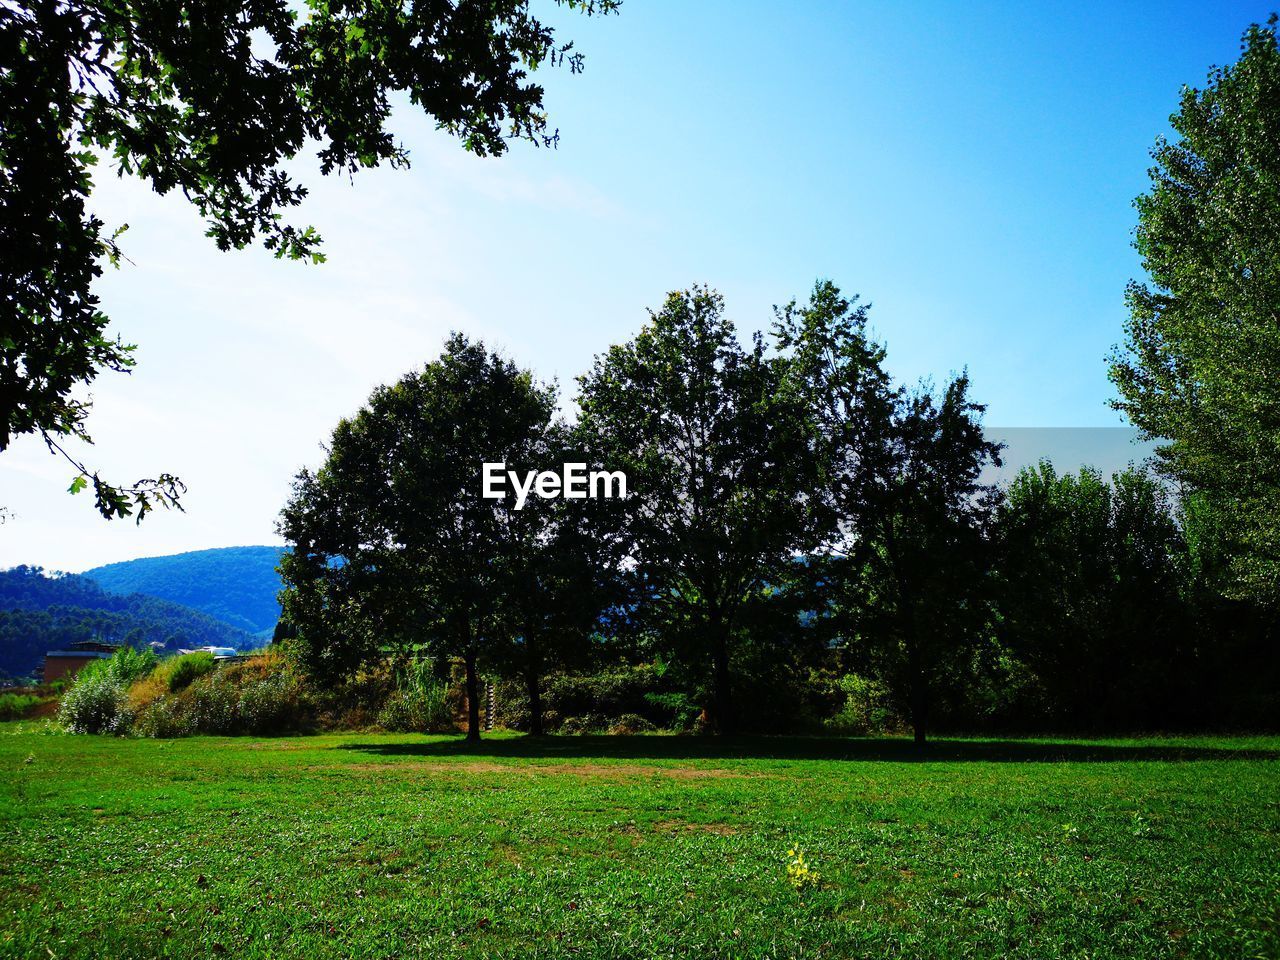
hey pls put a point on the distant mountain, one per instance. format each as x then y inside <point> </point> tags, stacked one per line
<point>41,612</point>
<point>238,585</point>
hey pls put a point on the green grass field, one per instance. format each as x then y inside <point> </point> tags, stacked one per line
<point>407,846</point>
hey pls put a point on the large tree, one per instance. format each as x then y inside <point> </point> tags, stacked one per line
<point>393,547</point>
<point>1200,368</point>
<point>715,446</point>
<point>903,564</point>
<point>213,99</point>
<point>918,578</point>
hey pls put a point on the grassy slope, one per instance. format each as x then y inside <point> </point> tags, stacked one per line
<point>363,845</point>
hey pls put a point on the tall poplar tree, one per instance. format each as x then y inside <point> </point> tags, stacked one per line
<point>1200,366</point>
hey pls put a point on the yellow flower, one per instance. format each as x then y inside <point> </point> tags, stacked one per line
<point>799,873</point>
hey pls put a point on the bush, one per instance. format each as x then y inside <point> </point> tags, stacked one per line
<point>170,676</point>
<point>162,718</point>
<point>96,702</point>
<point>355,702</point>
<point>182,670</point>
<point>274,702</point>
<point>212,705</point>
<point>630,723</point>
<point>584,724</point>
<point>866,707</point>
<point>129,664</point>
<point>642,696</point>
<point>15,706</point>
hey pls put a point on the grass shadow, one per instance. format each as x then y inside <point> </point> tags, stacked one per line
<point>892,749</point>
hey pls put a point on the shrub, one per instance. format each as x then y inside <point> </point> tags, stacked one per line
<point>260,696</point>
<point>352,704</point>
<point>149,689</point>
<point>171,675</point>
<point>182,670</point>
<point>162,718</point>
<point>129,664</point>
<point>15,706</point>
<point>274,702</point>
<point>630,723</point>
<point>595,702</point>
<point>584,723</point>
<point>211,705</point>
<point>96,702</point>
<point>866,707</point>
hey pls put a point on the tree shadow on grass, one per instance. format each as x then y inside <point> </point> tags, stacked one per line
<point>893,749</point>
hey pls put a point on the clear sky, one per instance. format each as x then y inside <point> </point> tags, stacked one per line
<point>967,168</point>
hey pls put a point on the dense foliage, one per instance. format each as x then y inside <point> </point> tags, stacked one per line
<point>716,447</point>
<point>1199,368</point>
<point>136,693</point>
<point>800,535</point>
<point>214,100</point>
<point>237,585</point>
<point>98,701</point>
<point>40,612</point>
<point>394,548</point>
<point>259,696</point>
<point>1091,597</point>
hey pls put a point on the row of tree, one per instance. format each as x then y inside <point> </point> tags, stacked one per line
<point>786,500</point>
<point>787,497</point>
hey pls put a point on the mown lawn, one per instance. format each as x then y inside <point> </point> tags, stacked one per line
<point>406,846</point>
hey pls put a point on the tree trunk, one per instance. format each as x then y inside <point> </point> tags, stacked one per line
<point>722,718</point>
<point>535,701</point>
<point>918,725</point>
<point>919,694</point>
<point>473,698</point>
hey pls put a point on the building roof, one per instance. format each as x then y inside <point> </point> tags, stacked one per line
<point>101,646</point>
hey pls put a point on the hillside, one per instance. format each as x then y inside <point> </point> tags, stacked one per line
<point>237,585</point>
<point>40,612</point>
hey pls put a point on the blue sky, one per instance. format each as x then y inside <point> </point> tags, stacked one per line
<point>969,169</point>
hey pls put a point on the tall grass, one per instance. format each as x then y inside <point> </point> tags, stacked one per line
<point>262,695</point>
<point>419,704</point>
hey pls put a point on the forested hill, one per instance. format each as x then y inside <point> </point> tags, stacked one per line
<point>238,585</point>
<point>40,612</point>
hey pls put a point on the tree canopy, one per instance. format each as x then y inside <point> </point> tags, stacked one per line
<point>715,442</point>
<point>903,567</point>
<point>1199,365</point>
<point>393,548</point>
<point>914,586</point>
<point>798,530</point>
<point>1091,595</point>
<point>213,100</point>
